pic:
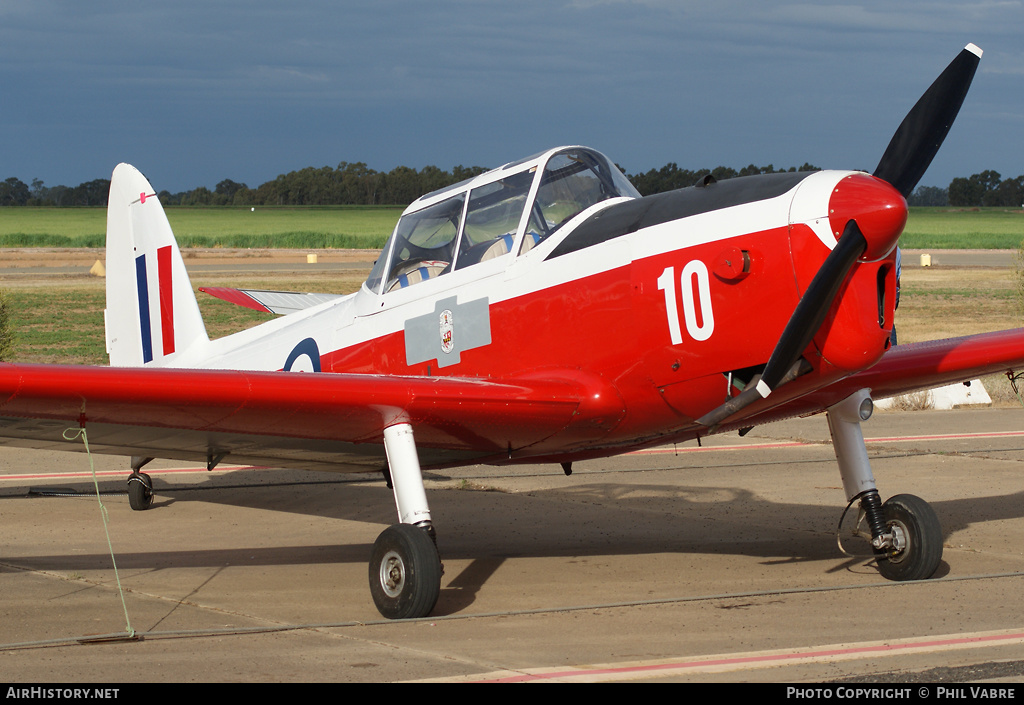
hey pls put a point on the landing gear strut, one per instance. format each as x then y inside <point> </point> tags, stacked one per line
<point>905,533</point>
<point>405,569</point>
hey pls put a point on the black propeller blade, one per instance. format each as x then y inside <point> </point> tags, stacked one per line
<point>922,131</point>
<point>814,304</point>
<point>904,162</point>
<point>802,326</point>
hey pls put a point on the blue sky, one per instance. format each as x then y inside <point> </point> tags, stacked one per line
<point>194,92</point>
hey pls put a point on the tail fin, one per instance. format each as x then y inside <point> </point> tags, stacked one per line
<point>152,315</point>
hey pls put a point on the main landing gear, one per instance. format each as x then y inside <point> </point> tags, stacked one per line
<point>905,533</point>
<point>405,569</point>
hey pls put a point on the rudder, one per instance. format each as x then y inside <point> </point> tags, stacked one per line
<point>152,315</point>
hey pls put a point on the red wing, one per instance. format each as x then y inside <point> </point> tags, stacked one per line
<point>908,368</point>
<point>913,367</point>
<point>329,421</point>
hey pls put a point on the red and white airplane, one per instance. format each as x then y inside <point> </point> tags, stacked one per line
<point>541,312</point>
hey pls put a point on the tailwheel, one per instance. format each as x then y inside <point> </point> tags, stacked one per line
<point>405,572</point>
<point>914,546</point>
<point>140,491</point>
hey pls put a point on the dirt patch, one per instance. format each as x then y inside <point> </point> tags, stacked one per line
<point>85,257</point>
<point>325,271</point>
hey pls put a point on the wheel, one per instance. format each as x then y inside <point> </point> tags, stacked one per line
<point>140,491</point>
<point>917,536</point>
<point>405,572</point>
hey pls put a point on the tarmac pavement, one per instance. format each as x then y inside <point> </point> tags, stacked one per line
<point>710,564</point>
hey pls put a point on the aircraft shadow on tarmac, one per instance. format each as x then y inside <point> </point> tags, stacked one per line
<point>487,528</point>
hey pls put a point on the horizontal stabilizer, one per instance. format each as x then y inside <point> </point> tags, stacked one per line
<point>278,302</point>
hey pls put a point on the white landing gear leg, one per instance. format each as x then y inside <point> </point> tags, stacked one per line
<point>405,570</point>
<point>905,533</point>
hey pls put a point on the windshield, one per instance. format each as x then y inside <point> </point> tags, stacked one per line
<point>421,246</point>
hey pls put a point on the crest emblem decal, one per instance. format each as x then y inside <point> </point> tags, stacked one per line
<point>447,331</point>
<point>432,336</point>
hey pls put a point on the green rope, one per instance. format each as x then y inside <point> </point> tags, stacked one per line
<point>1013,376</point>
<point>71,434</point>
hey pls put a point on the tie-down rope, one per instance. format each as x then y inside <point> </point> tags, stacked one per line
<point>71,434</point>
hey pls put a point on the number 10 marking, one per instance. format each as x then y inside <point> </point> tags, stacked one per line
<point>699,327</point>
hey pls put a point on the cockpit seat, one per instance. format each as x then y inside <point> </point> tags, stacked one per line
<point>495,248</point>
<point>498,247</point>
<point>529,241</point>
<point>417,272</point>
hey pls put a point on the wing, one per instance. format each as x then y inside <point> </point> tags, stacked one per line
<point>317,421</point>
<point>279,302</point>
<point>910,368</point>
<point>336,421</point>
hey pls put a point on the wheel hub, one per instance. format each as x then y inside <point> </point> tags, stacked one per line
<point>392,574</point>
<point>898,541</point>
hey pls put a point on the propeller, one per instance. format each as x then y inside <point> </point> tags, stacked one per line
<point>904,162</point>
<point>923,130</point>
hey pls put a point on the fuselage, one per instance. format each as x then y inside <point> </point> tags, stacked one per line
<point>660,308</point>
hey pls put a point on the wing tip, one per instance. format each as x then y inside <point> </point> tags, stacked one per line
<point>974,49</point>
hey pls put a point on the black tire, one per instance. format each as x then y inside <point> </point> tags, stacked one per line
<point>405,572</point>
<point>140,491</point>
<point>917,528</point>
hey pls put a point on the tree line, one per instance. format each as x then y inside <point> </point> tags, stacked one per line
<point>357,184</point>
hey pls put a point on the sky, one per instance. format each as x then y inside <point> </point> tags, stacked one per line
<point>193,92</point>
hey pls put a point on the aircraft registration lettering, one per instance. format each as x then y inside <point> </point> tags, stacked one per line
<point>697,313</point>
<point>449,331</point>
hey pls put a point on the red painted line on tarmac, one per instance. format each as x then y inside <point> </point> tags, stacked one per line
<point>704,449</point>
<point>946,436</point>
<point>775,658</point>
<point>117,473</point>
<point>663,450</point>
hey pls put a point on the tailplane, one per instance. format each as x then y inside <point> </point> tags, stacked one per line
<point>152,315</point>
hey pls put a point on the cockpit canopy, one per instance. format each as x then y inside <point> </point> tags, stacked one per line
<point>509,209</point>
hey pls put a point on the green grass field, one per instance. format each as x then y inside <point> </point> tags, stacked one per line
<point>964,229</point>
<point>368,227</point>
<point>303,228</point>
<point>65,324</point>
